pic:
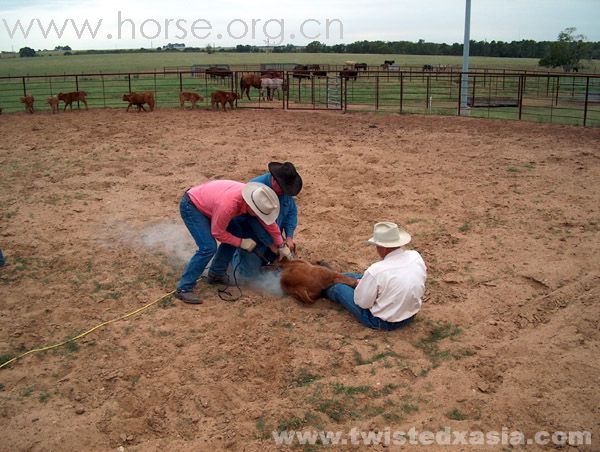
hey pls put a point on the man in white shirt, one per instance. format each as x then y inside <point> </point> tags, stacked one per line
<point>388,296</point>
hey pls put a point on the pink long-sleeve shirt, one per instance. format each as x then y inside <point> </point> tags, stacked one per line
<point>222,200</point>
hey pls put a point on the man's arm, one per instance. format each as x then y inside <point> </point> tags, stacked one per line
<point>290,221</point>
<point>366,291</point>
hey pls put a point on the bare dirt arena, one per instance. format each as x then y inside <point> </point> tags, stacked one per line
<point>505,214</point>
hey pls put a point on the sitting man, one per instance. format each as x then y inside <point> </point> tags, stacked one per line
<point>286,183</point>
<point>388,295</point>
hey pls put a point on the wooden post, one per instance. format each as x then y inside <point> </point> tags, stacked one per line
<point>377,93</point>
<point>585,105</point>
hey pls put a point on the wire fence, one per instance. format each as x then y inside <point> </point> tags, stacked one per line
<point>542,97</point>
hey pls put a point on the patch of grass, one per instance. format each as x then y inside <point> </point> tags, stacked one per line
<point>466,226</point>
<point>293,423</point>
<point>135,380</point>
<point>44,397</point>
<point>340,388</point>
<point>456,415</point>
<point>429,344</point>
<point>359,360</point>
<point>27,391</point>
<point>385,391</point>
<point>167,303</point>
<point>98,286</point>
<point>72,346</point>
<point>282,324</point>
<point>6,358</point>
<point>304,378</point>
<point>512,169</point>
<point>334,409</point>
<point>413,220</point>
<point>409,407</point>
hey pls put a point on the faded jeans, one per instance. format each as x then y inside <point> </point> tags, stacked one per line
<point>344,295</point>
<point>199,226</point>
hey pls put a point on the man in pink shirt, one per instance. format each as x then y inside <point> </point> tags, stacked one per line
<point>207,210</point>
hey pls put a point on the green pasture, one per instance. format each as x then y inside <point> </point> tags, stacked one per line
<point>139,62</point>
<point>547,99</point>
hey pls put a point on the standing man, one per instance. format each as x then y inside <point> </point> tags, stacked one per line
<point>286,183</point>
<point>388,296</point>
<point>208,209</point>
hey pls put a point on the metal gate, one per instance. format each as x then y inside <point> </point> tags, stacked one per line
<point>310,92</point>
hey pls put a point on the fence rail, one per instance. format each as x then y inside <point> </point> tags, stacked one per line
<point>557,98</point>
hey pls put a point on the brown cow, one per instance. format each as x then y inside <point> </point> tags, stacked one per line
<point>28,101</point>
<point>189,96</point>
<point>248,81</point>
<point>306,282</point>
<point>69,98</point>
<point>53,102</point>
<point>223,97</point>
<point>139,99</point>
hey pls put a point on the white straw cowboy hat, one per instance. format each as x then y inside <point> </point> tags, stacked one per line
<point>388,235</point>
<point>262,200</point>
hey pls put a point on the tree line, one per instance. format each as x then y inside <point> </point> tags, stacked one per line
<point>525,48</point>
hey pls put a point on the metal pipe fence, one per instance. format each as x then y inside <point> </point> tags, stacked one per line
<point>557,98</point>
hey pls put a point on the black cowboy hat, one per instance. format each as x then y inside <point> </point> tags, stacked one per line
<point>287,177</point>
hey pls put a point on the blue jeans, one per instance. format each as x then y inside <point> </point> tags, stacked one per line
<point>344,295</point>
<point>199,226</point>
<point>246,227</point>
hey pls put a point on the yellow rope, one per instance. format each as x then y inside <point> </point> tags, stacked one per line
<point>49,347</point>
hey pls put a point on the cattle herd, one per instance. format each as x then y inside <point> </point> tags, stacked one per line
<point>269,81</point>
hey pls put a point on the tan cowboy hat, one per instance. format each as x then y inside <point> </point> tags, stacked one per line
<point>388,235</point>
<point>262,200</point>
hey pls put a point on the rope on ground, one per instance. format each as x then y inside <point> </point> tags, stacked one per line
<point>79,336</point>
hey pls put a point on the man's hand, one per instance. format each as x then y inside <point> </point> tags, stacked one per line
<point>289,241</point>
<point>284,252</point>
<point>248,245</point>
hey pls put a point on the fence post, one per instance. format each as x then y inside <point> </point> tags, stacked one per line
<point>557,89</point>
<point>129,81</point>
<point>521,89</point>
<point>312,90</point>
<point>103,90</point>
<point>286,98</point>
<point>77,89</point>
<point>473,95</point>
<point>377,93</point>
<point>585,105</point>
<point>24,87</point>
<point>427,92</point>
<point>180,82</point>
<point>401,90</point>
<point>460,76</point>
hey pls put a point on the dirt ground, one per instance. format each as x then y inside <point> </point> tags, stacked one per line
<point>505,214</point>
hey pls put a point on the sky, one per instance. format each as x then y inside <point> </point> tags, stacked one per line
<point>153,23</point>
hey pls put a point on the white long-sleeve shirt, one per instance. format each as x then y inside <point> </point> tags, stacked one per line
<point>392,288</point>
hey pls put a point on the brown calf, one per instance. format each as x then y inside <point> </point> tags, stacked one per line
<point>53,102</point>
<point>69,98</point>
<point>306,282</point>
<point>223,97</point>
<point>139,99</point>
<point>28,101</point>
<point>189,96</point>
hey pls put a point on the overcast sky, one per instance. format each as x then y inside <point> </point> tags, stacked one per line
<point>231,22</point>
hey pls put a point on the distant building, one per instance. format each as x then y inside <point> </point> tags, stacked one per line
<point>174,46</point>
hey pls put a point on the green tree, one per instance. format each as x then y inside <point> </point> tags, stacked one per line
<point>26,52</point>
<point>315,47</point>
<point>567,52</point>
